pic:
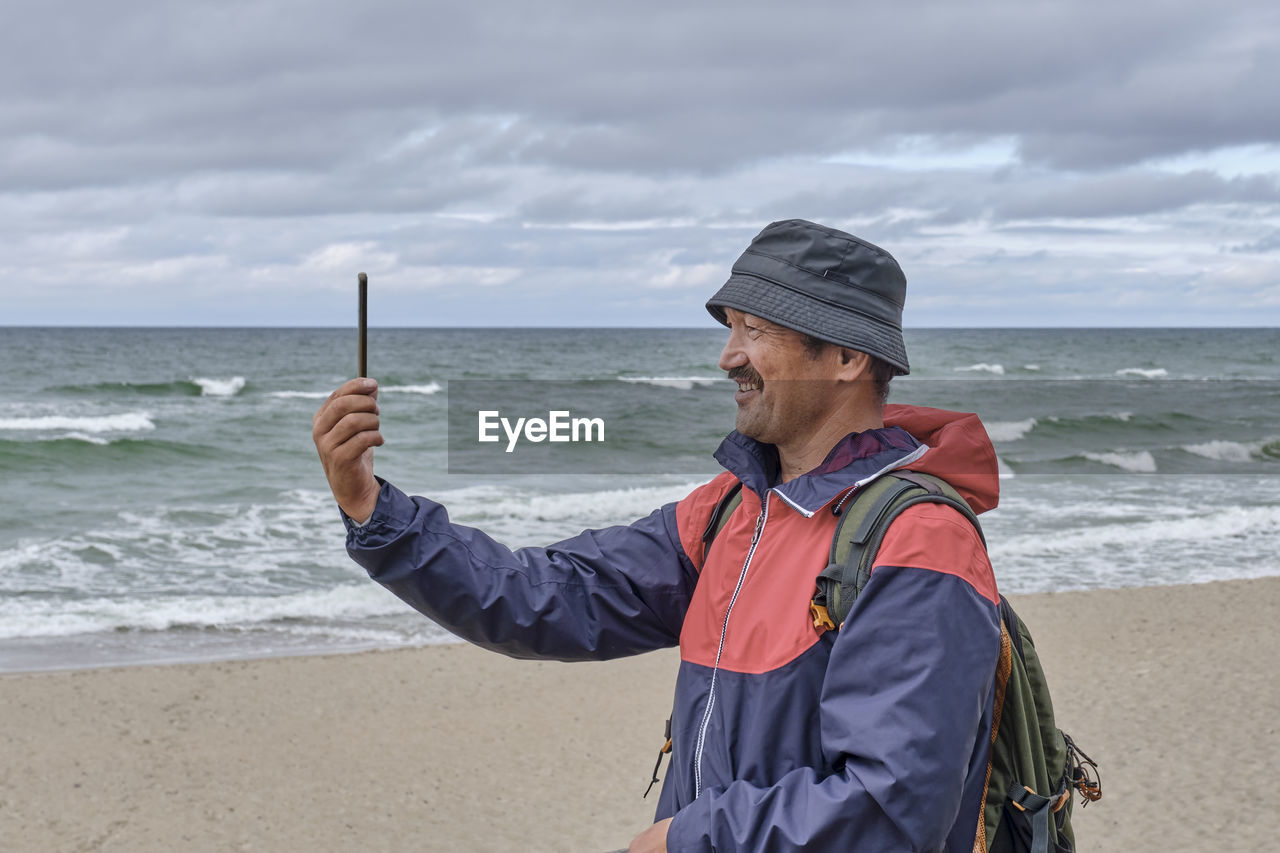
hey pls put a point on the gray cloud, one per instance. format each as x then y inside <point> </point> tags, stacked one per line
<point>149,144</point>
<point>1129,193</point>
<point>654,87</point>
<point>1268,243</point>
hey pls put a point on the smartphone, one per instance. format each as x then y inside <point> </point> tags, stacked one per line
<point>363,345</point>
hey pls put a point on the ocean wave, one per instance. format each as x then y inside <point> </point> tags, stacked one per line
<point>1211,527</point>
<point>1010,430</point>
<point>276,548</point>
<point>429,388</point>
<point>81,425</point>
<point>219,387</point>
<point>90,439</point>
<point>1229,451</point>
<point>983,367</point>
<point>180,387</point>
<point>680,383</point>
<point>197,386</point>
<point>301,395</point>
<point>82,452</point>
<point>1069,428</point>
<point>1098,421</point>
<point>1135,462</point>
<point>46,617</point>
<point>534,518</point>
<point>1152,373</point>
<point>627,503</point>
<point>287,555</point>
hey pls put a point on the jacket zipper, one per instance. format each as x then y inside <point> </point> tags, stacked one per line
<point>711,691</point>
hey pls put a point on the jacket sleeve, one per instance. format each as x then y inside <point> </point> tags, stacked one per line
<point>904,715</point>
<point>601,594</point>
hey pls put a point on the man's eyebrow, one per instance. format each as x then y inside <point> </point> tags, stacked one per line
<point>768,325</point>
<point>755,320</point>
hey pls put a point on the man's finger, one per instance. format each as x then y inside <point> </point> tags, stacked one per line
<point>351,426</point>
<point>348,427</point>
<point>359,385</point>
<point>337,408</point>
<point>351,450</point>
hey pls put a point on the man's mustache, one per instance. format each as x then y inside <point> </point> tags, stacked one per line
<point>744,374</point>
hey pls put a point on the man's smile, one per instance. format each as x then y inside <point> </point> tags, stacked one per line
<point>748,381</point>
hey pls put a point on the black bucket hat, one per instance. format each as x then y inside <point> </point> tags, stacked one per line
<point>821,282</point>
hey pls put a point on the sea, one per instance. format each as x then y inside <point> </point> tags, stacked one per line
<point>161,499</point>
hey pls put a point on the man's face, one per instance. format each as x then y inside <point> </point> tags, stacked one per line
<point>784,391</point>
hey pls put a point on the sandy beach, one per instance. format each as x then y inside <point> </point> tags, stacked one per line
<point>1171,689</point>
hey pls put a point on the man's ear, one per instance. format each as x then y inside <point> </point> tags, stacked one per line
<point>854,365</point>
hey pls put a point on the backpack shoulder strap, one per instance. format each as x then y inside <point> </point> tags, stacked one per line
<point>720,516</point>
<point>861,530</point>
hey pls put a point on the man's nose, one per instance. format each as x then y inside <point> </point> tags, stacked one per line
<point>732,355</point>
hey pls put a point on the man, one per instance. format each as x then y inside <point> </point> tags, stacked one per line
<point>785,735</point>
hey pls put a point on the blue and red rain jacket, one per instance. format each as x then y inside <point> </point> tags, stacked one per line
<point>871,738</point>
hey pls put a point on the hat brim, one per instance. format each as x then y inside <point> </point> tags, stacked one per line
<point>785,306</point>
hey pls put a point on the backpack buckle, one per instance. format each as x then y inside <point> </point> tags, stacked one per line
<point>821,618</point>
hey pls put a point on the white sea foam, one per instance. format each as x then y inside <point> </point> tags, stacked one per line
<point>680,383</point>
<point>429,388</point>
<point>275,548</point>
<point>1137,461</point>
<point>996,369</point>
<point>302,395</point>
<point>1209,527</point>
<point>289,573</point>
<point>1030,367</point>
<point>82,425</point>
<point>532,518</point>
<point>1010,430</point>
<point>1225,451</point>
<point>622,503</point>
<point>1123,417</point>
<point>89,439</point>
<point>1153,373</point>
<point>1003,469</point>
<point>219,387</point>
<point>59,618</point>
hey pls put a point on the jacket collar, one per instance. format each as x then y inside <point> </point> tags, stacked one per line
<point>856,459</point>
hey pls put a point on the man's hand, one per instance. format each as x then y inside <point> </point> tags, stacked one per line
<point>652,840</point>
<point>345,431</point>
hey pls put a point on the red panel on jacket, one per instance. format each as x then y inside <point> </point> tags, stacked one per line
<point>770,624</point>
<point>937,537</point>
<point>694,513</point>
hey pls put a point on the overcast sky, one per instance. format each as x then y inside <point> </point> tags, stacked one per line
<point>603,163</point>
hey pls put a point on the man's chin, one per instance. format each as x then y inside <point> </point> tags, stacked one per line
<point>747,427</point>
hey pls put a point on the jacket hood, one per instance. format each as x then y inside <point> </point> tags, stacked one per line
<point>950,445</point>
<point>857,458</point>
<point>960,451</point>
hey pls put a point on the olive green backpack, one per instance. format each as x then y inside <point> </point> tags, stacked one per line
<point>1034,766</point>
